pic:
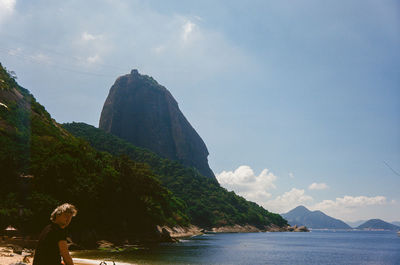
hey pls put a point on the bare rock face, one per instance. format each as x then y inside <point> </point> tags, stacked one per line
<point>145,113</point>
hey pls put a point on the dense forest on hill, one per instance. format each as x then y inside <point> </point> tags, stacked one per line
<point>121,192</point>
<point>42,166</point>
<point>207,203</point>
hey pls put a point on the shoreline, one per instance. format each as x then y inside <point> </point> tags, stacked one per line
<point>14,250</point>
<point>79,261</point>
<point>192,230</point>
<point>8,256</point>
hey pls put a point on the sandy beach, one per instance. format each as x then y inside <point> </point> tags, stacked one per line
<point>96,262</point>
<point>8,257</point>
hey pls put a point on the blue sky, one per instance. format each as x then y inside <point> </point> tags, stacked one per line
<point>298,102</point>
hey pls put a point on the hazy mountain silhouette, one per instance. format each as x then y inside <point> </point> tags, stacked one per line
<point>313,219</point>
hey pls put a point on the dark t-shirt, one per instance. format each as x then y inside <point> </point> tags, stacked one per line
<point>47,251</point>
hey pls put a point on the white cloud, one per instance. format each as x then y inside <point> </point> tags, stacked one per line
<point>91,49</point>
<point>291,175</point>
<point>256,188</point>
<point>93,59</point>
<point>89,37</point>
<point>198,18</point>
<point>318,186</point>
<point>245,183</point>
<point>7,5</point>
<point>356,207</point>
<point>15,51</point>
<point>159,49</point>
<point>350,202</point>
<point>187,28</point>
<point>6,8</point>
<point>180,45</point>
<point>41,58</point>
<point>287,201</point>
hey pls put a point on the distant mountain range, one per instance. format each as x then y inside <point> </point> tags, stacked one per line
<point>357,223</point>
<point>396,223</point>
<point>378,224</point>
<point>318,220</point>
<point>313,219</point>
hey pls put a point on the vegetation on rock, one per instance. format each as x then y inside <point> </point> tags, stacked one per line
<point>121,191</point>
<point>207,204</point>
<point>42,165</point>
<point>144,113</point>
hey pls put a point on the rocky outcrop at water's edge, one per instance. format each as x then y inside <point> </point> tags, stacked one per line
<point>181,232</point>
<point>253,229</point>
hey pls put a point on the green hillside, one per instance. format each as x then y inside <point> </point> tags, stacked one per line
<point>207,203</point>
<point>42,165</point>
<point>121,192</point>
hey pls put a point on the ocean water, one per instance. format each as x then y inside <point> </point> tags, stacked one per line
<point>316,247</point>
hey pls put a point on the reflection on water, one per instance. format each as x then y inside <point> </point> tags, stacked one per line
<point>317,247</point>
<point>186,251</point>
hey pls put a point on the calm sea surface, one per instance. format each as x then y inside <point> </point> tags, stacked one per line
<point>316,247</point>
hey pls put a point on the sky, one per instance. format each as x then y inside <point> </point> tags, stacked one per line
<point>298,102</point>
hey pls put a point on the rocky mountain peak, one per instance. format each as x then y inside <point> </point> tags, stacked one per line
<point>143,112</point>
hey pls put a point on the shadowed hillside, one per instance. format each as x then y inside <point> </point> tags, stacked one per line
<point>42,166</point>
<point>208,204</point>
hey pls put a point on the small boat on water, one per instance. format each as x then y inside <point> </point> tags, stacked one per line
<point>398,233</point>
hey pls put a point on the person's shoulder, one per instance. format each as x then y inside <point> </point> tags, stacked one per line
<point>59,232</point>
<point>51,229</point>
<point>45,232</point>
<point>47,228</point>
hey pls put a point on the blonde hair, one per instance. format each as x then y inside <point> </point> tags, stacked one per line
<point>65,208</point>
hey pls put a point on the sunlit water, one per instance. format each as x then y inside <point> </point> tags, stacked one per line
<point>317,247</point>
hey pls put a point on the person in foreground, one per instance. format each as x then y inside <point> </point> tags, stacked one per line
<point>52,243</point>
